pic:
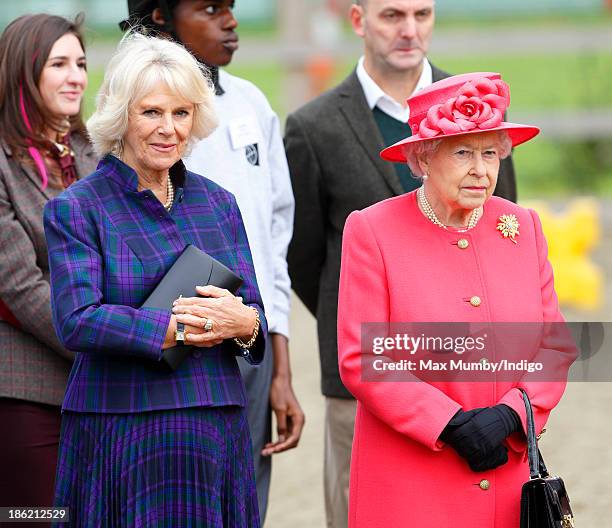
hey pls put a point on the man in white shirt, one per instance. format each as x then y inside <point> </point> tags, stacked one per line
<point>245,155</point>
<point>332,146</point>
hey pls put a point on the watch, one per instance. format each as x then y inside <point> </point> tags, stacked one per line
<point>179,334</point>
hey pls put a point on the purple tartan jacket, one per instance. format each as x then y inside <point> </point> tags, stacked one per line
<point>109,246</point>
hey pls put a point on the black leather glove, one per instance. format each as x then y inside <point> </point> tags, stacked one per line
<point>481,462</point>
<point>477,435</point>
<point>460,418</point>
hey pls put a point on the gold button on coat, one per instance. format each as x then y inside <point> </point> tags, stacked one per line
<point>475,301</point>
<point>484,484</point>
<point>462,243</point>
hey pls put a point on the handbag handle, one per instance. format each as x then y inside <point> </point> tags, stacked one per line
<point>537,467</point>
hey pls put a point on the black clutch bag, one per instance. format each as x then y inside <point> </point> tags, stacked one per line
<point>192,268</point>
<point>544,500</point>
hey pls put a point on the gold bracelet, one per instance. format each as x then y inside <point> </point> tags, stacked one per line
<point>254,335</point>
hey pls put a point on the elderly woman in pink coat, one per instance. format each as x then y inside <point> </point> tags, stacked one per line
<point>442,453</point>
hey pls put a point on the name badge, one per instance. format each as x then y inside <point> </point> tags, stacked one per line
<point>243,132</point>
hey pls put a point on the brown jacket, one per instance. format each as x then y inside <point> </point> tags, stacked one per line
<point>34,366</point>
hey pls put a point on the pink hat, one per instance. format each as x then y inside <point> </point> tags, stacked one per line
<point>459,105</point>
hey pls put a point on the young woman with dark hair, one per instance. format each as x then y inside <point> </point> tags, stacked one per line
<point>43,149</point>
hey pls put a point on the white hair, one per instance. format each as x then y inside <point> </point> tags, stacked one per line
<point>140,64</point>
<point>426,149</point>
<point>420,149</point>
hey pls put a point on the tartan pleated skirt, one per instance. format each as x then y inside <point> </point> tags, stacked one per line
<point>177,468</point>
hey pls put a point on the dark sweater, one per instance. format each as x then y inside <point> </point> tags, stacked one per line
<point>393,131</point>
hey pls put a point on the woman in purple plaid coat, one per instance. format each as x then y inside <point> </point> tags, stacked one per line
<point>142,446</point>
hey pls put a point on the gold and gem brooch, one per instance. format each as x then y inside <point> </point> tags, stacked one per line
<point>508,225</point>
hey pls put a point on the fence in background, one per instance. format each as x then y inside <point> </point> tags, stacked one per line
<point>108,12</point>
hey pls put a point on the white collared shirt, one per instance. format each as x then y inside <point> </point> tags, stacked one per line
<point>375,96</point>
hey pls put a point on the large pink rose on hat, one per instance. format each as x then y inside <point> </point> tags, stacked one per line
<point>479,104</point>
<point>471,103</point>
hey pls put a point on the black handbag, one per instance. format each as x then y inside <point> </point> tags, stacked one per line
<point>544,501</point>
<point>192,268</point>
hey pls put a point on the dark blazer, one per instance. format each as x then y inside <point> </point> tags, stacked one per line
<point>34,366</point>
<point>333,146</point>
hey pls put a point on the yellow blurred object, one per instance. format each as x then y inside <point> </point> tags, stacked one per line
<point>571,237</point>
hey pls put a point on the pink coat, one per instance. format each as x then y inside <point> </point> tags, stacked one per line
<point>399,266</point>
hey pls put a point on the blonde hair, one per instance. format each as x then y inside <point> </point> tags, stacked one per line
<point>139,65</point>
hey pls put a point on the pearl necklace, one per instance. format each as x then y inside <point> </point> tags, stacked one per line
<point>170,194</point>
<point>429,212</point>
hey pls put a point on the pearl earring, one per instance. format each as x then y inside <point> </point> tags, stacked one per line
<point>425,176</point>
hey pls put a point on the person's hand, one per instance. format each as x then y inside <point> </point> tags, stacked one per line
<point>477,435</point>
<point>217,309</point>
<point>460,418</point>
<point>485,462</point>
<point>289,416</point>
